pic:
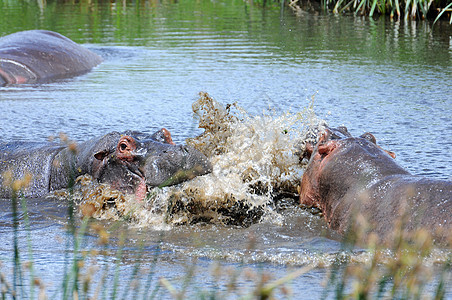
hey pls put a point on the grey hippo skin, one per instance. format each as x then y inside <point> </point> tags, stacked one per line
<point>130,161</point>
<point>40,56</point>
<point>348,176</point>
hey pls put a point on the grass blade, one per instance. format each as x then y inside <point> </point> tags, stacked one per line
<point>397,8</point>
<point>30,249</point>
<point>374,4</point>
<point>442,12</point>
<point>336,7</point>
<point>360,6</point>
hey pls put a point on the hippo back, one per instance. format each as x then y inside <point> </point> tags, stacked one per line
<point>41,55</point>
<point>21,158</point>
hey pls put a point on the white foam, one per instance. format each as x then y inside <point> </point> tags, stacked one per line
<point>254,159</point>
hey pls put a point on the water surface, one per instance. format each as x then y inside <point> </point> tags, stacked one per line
<point>387,77</point>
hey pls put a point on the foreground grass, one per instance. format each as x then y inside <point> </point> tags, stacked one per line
<point>399,272</point>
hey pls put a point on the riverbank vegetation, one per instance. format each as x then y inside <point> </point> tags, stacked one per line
<point>407,9</point>
<point>396,9</point>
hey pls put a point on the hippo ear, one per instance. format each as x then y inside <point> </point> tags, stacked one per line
<point>163,136</point>
<point>309,148</point>
<point>370,137</point>
<point>390,153</point>
<point>344,130</point>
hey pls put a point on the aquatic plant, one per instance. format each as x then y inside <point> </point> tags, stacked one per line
<point>408,9</point>
<point>444,10</point>
<point>369,7</point>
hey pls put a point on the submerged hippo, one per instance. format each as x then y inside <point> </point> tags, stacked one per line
<point>347,177</point>
<point>40,55</point>
<point>129,161</point>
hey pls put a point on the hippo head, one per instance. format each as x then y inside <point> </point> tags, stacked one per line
<point>337,156</point>
<point>133,161</point>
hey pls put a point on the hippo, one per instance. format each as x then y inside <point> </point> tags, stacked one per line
<point>41,56</point>
<point>348,177</point>
<point>130,162</point>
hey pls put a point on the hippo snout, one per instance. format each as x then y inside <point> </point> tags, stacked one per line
<point>174,165</point>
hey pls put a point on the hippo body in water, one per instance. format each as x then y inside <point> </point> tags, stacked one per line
<point>129,161</point>
<point>348,177</point>
<point>40,56</point>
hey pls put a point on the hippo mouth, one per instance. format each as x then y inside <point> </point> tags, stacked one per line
<point>180,163</point>
<point>13,72</point>
<point>138,177</point>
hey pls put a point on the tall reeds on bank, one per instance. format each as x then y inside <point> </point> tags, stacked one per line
<point>407,9</point>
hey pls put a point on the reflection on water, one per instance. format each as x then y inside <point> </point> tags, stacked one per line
<point>389,78</point>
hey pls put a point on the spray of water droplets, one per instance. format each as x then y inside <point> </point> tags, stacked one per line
<point>256,162</point>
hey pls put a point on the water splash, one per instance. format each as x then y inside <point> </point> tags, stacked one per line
<point>256,163</point>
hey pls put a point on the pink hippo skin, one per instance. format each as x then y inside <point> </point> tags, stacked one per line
<point>349,177</point>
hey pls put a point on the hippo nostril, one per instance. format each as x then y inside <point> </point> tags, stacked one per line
<point>184,149</point>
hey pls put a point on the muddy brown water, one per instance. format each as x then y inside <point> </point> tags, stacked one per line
<point>391,78</point>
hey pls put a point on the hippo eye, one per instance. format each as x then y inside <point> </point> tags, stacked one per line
<point>123,147</point>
